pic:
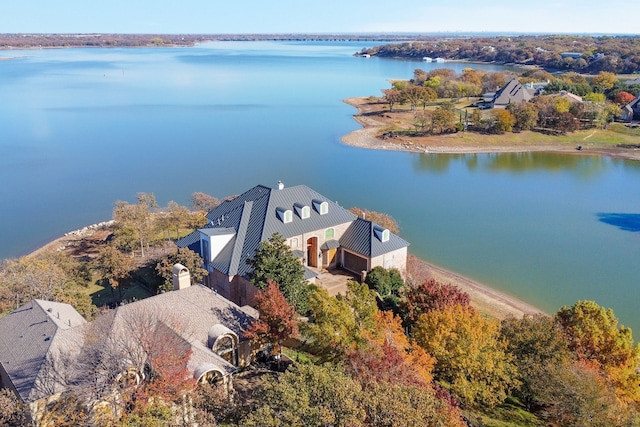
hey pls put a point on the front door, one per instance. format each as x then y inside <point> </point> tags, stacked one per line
<point>312,252</point>
<point>328,258</point>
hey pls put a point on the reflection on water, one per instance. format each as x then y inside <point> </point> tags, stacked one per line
<point>82,128</point>
<point>580,165</point>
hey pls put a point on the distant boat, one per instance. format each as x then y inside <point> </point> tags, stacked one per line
<point>366,55</point>
<point>427,59</point>
<point>440,60</point>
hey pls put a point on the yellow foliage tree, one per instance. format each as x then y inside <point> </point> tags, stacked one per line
<point>471,360</point>
<point>593,334</point>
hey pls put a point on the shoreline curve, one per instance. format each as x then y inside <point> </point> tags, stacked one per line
<point>367,137</point>
<point>484,298</point>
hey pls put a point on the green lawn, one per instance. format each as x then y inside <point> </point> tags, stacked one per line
<point>103,295</point>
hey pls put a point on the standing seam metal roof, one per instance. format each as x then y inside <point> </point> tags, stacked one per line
<point>360,238</point>
<point>254,218</point>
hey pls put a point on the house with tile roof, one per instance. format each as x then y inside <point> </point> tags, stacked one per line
<point>45,345</point>
<point>321,233</point>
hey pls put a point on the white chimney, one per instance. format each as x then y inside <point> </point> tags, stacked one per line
<point>280,185</point>
<point>181,277</point>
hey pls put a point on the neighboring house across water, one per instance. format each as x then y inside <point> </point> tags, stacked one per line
<point>635,81</point>
<point>631,111</point>
<point>42,341</point>
<point>572,55</point>
<point>511,93</point>
<point>319,232</point>
<point>571,97</point>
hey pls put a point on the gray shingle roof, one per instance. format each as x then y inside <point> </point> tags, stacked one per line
<point>28,335</point>
<point>195,309</point>
<point>512,93</point>
<point>40,329</point>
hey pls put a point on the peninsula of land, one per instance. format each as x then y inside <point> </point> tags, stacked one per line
<point>376,120</point>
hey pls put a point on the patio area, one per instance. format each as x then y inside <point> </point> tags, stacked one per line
<point>335,280</point>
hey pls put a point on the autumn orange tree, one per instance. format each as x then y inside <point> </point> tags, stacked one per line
<point>432,295</point>
<point>389,356</point>
<point>186,257</point>
<point>114,266</point>
<point>278,320</point>
<point>574,393</point>
<point>134,222</point>
<point>379,218</point>
<point>623,98</point>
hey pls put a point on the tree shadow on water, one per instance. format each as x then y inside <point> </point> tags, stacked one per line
<point>624,221</point>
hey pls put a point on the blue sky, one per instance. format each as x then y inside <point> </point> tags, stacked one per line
<point>328,16</point>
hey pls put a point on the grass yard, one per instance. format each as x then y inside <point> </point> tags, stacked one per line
<point>104,295</point>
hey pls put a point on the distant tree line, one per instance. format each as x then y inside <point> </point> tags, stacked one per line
<point>585,54</point>
<point>25,41</point>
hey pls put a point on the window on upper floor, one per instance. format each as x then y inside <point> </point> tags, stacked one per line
<point>285,215</point>
<point>320,206</point>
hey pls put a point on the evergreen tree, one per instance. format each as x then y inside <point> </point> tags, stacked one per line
<point>274,261</point>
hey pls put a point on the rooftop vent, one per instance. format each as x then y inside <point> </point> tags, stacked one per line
<point>280,185</point>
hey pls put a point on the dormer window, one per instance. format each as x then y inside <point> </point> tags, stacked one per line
<point>320,206</point>
<point>302,211</point>
<point>381,234</point>
<point>285,215</point>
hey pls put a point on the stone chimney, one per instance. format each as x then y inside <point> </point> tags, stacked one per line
<point>181,277</point>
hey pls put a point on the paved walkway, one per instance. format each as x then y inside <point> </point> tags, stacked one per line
<point>335,281</point>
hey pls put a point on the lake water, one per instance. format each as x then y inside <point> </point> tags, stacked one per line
<point>81,128</point>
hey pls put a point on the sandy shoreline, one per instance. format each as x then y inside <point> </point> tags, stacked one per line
<point>459,143</point>
<point>486,299</point>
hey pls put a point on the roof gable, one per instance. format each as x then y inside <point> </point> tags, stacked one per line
<point>361,237</point>
<point>512,93</point>
<point>28,335</point>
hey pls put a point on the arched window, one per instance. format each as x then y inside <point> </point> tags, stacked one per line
<point>224,342</point>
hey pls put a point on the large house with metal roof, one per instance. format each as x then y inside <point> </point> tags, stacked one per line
<point>321,233</point>
<point>45,347</point>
